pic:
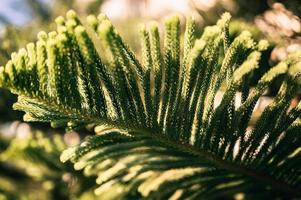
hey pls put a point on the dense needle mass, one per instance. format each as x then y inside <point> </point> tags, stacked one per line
<point>159,135</point>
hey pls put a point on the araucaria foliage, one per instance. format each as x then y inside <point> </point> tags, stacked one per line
<point>159,133</point>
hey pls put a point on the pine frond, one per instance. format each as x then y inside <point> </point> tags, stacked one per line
<point>160,135</point>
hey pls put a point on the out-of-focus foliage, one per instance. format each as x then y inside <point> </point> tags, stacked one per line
<point>281,27</point>
<point>30,169</point>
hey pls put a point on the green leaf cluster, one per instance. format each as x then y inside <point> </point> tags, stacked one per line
<point>159,133</point>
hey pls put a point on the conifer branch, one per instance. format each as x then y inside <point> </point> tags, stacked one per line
<point>160,133</point>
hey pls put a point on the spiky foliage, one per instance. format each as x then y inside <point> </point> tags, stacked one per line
<point>159,133</point>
